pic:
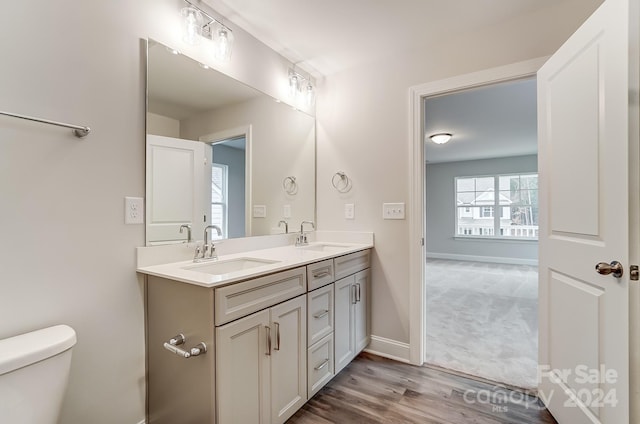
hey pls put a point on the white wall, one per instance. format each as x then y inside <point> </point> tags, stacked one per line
<point>363,129</point>
<point>441,210</point>
<point>277,151</point>
<point>66,255</point>
<point>162,125</point>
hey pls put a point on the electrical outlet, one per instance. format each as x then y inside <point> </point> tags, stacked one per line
<point>349,211</point>
<point>286,211</point>
<point>393,210</point>
<point>133,210</point>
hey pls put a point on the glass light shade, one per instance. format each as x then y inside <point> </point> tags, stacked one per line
<point>440,138</point>
<point>294,85</point>
<point>223,43</point>
<point>192,25</point>
<point>310,95</point>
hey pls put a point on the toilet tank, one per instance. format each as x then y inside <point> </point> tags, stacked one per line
<point>34,369</point>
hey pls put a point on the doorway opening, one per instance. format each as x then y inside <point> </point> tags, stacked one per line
<point>481,230</point>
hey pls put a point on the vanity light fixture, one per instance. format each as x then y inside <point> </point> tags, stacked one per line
<point>301,89</point>
<point>440,138</point>
<point>198,24</point>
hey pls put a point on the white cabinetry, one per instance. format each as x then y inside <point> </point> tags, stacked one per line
<point>272,341</point>
<point>351,317</point>
<point>261,361</point>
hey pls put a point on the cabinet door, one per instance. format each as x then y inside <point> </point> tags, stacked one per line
<point>243,373</point>
<point>362,290</point>
<point>288,358</point>
<point>344,322</point>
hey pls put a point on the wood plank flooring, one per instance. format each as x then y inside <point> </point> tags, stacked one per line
<point>376,390</point>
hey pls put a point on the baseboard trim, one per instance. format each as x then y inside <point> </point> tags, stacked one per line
<point>474,258</point>
<point>390,349</point>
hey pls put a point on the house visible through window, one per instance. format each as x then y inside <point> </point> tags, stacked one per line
<point>514,197</point>
<point>219,198</point>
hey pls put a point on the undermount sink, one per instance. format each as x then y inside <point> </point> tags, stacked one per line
<point>228,266</point>
<point>326,247</point>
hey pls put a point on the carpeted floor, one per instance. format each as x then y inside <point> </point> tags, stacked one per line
<point>482,319</point>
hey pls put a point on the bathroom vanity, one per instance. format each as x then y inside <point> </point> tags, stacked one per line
<point>278,323</point>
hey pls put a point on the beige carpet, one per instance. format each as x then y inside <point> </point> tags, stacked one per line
<point>482,320</point>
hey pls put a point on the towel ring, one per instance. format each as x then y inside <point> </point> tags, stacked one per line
<point>341,182</point>
<point>290,185</point>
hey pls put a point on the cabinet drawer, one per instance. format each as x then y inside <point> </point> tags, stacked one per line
<point>319,364</point>
<point>320,313</point>
<point>241,299</point>
<point>351,263</point>
<point>320,274</point>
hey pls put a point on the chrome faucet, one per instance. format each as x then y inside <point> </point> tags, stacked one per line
<point>301,240</point>
<point>208,250</point>
<point>286,226</point>
<point>188,227</point>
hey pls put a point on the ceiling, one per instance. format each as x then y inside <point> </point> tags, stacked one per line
<point>178,87</point>
<point>327,36</point>
<point>498,120</point>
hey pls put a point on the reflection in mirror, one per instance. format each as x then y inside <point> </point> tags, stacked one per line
<point>219,152</point>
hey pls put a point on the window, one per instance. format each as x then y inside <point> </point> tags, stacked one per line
<point>219,198</point>
<point>497,206</point>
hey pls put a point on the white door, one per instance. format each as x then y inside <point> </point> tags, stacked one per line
<point>288,358</point>
<point>175,188</point>
<point>583,119</point>
<point>243,371</point>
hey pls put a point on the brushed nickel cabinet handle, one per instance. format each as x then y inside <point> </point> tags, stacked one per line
<point>268,340</point>
<point>277,346</point>
<point>322,365</point>
<point>321,314</point>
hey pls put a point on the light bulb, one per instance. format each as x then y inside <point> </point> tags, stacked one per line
<point>310,95</point>
<point>293,85</point>
<point>223,44</point>
<point>192,26</point>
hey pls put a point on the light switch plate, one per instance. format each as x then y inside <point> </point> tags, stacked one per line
<point>259,211</point>
<point>393,210</point>
<point>286,211</point>
<point>349,211</point>
<point>133,210</point>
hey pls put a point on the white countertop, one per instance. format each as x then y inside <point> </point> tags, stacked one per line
<point>283,257</point>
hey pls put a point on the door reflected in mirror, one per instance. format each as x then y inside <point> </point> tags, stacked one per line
<point>218,153</point>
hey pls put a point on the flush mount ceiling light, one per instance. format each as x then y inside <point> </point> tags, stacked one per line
<point>440,138</point>
<point>199,25</point>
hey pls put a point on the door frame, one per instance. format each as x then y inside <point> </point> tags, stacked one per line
<point>246,132</point>
<point>417,217</point>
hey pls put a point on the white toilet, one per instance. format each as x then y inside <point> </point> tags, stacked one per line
<point>34,369</point>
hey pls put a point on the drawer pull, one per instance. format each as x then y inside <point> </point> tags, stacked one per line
<point>321,314</point>
<point>268,353</point>
<point>322,365</point>
<point>321,274</point>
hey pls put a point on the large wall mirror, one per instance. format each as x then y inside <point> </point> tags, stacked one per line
<point>221,153</point>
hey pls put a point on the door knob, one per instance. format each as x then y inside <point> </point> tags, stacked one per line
<point>614,268</point>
